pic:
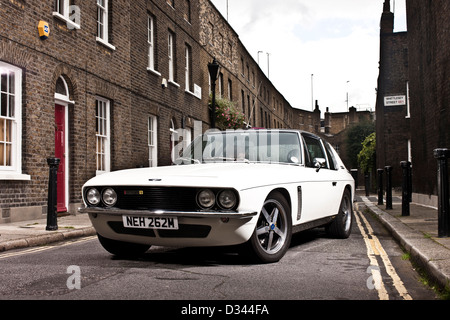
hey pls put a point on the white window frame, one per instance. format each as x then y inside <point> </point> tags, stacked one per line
<point>104,136</point>
<point>103,24</point>
<point>151,44</point>
<point>187,68</point>
<point>220,80</point>
<point>13,171</point>
<point>171,56</point>
<point>62,12</point>
<point>152,141</point>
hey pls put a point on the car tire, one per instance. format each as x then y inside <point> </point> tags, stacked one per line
<point>341,226</point>
<point>272,235</point>
<point>121,248</point>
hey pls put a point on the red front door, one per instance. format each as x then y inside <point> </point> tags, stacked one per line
<point>60,152</point>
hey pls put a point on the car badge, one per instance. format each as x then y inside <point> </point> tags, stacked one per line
<point>133,192</point>
<point>154,179</point>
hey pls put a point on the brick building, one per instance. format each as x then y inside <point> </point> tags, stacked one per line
<point>335,131</point>
<point>392,108</point>
<point>413,116</point>
<point>429,86</point>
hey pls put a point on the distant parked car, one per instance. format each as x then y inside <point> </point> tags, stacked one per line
<point>250,187</point>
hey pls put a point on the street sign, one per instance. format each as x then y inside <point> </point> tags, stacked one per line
<point>392,101</point>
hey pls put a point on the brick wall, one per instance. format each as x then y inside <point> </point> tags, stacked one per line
<point>392,122</point>
<point>429,53</point>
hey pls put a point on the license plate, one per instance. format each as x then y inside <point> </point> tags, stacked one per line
<point>170,223</point>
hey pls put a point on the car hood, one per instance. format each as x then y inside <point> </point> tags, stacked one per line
<point>237,175</point>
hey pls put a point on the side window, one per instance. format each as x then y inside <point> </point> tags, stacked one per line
<point>313,150</point>
<point>331,158</point>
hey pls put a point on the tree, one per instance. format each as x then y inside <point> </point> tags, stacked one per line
<point>366,157</point>
<point>355,137</point>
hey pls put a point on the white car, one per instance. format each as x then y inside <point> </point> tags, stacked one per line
<point>250,187</point>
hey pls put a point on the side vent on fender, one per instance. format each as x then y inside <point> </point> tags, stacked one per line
<point>299,194</point>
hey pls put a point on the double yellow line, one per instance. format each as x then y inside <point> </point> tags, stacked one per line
<point>43,248</point>
<point>374,249</point>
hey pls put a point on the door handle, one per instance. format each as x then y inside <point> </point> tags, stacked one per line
<point>334,183</point>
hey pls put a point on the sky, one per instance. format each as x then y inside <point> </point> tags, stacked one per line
<point>315,49</point>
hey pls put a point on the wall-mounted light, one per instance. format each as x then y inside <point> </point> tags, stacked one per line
<point>164,83</point>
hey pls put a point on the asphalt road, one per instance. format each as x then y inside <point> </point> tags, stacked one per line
<point>367,266</point>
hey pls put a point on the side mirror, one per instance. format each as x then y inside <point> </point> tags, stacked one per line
<point>319,163</point>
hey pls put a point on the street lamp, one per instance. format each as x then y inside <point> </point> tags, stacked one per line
<point>312,91</point>
<point>213,69</point>
<point>347,94</point>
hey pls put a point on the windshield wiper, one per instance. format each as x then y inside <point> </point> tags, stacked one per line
<point>230,159</point>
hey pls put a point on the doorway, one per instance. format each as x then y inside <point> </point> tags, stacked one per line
<point>60,153</point>
<point>62,102</point>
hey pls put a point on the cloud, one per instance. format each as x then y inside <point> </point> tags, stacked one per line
<point>337,41</point>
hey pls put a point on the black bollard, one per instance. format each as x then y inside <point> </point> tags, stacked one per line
<point>354,173</point>
<point>367,183</point>
<point>52,223</point>
<point>410,181</point>
<point>388,187</point>
<point>443,193</point>
<point>380,185</point>
<point>405,187</point>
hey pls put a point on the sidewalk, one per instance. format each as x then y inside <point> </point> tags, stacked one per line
<point>417,233</point>
<point>16,235</point>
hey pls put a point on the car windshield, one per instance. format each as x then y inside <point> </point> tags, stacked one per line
<point>263,146</point>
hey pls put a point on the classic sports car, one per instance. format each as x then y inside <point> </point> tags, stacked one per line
<point>250,187</point>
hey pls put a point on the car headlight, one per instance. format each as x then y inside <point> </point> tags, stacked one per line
<point>206,198</point>
<point>93,197</point>
<point>227,199</point>
<point>109,197</point>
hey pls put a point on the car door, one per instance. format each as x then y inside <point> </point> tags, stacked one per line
<point>320,188</point>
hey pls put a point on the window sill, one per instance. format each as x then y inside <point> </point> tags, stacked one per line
<point>193,94</point>
<point>70,23</point>
<point>106,44</point>
<point>174,83</point>
<point>154,72</point>
<point>14,176</point>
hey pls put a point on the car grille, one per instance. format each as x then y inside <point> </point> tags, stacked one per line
<point>156,198</point>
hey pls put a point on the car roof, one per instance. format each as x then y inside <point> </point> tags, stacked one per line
<point>267,129</point>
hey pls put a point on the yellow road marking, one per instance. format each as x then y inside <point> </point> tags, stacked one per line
<point>44,248</point>
<point>374,248</point>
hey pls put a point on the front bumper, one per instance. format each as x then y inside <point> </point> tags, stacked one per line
<point>195,228</point>
<point>156,213</point>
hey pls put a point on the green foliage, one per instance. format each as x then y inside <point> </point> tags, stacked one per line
<point>227,115</point>
<point>355,136</point>
<point>366,157</point>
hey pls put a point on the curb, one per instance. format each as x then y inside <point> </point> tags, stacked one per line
<point>416,244</point>
<point>46,239</point>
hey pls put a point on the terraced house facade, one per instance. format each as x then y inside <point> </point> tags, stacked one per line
<point>104,84</point>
